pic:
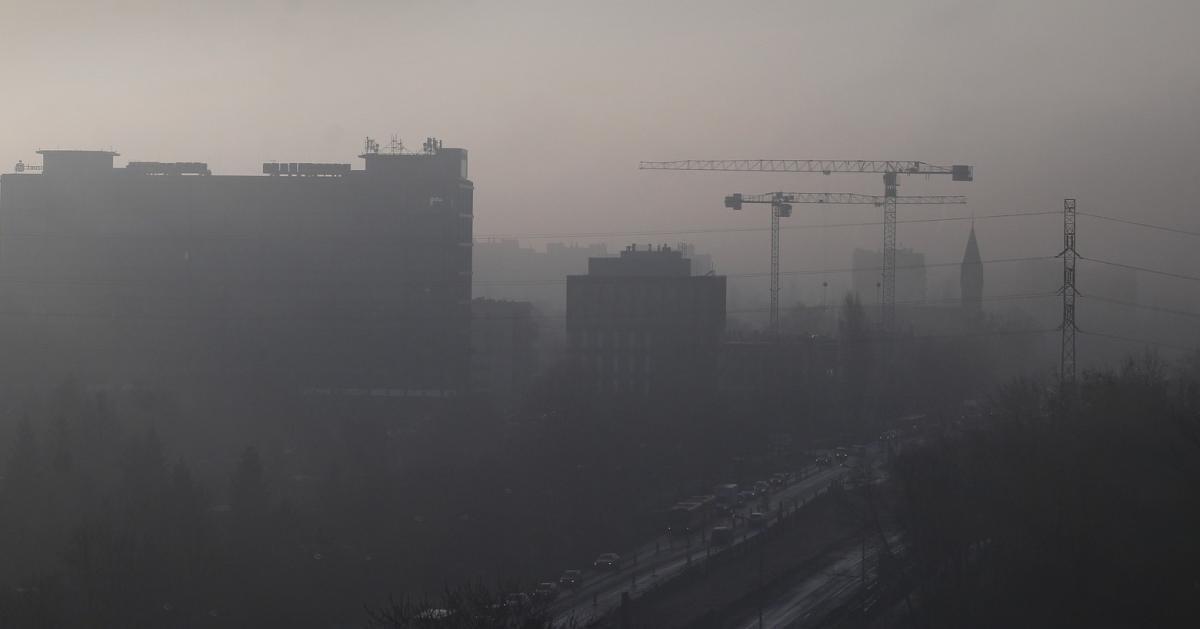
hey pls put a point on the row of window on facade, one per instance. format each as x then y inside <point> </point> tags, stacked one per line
<point>656,296</point>
<point>613,339</point>
<point>630,364</point>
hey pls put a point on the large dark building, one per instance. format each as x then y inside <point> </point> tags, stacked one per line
<point>312,277</point>
<point>642,324</point>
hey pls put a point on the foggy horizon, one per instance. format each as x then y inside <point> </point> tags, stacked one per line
<point>562,100</point>
<point>504,377</point>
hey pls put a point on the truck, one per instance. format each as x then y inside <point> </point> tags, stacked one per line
<point>688,516</point>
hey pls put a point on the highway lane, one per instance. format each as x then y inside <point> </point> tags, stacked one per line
<point>601,591</point>
<point>806,603</point>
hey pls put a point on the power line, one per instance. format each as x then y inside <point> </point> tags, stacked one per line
<point>805,272</point>
<point>393,282</point>
<point>1164,228</point>
<point>404,319</point>
<point>402,238</point>
<point>1130,339</point>
<point>952,300</point>
<point>1181,276</point>
<point>724,230</point>
<point>900,267</point>
<point>1182,313</point>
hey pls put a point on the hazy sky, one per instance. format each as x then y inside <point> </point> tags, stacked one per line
<point>558,100</point>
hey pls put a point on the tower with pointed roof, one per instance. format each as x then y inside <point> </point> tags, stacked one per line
<point>971,280</point>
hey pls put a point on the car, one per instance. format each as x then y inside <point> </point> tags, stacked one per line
<point>608,561</point>
<point>745,496</point>
<point>758,520</point>
<point>571,579</point>
<point>762,488</point>
<point>721,535</point>
<point>822,461</point>
<point>547,591</point>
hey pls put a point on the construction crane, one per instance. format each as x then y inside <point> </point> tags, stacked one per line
<point>781,207</point>
<point>890,171</point>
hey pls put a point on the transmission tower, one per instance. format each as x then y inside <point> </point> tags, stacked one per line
<point>1069,255</point>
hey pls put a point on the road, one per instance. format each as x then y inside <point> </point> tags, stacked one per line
<point>808,601</point>
<point>656,560</point>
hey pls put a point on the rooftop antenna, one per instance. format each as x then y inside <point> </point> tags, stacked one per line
<point>431,146</point>
<point>395,146</point>
<point>370,147</point>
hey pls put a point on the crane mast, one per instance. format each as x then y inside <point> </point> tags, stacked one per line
<point>890,169</point>
<point>781,206</point>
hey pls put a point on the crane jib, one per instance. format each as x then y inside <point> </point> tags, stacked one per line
<point>826,166</point>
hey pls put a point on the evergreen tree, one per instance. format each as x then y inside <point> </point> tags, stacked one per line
<point>247,492</point>
<point>23,472</point>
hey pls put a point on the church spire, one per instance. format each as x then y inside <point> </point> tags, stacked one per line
<point>971,256</point>
<point>971,280</point>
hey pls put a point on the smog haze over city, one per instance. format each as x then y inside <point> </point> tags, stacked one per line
<point>557,314</point>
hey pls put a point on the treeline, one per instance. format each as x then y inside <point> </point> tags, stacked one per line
<point>111,516</point>
<point>99,527</point>
<point>268,510</point>
<point>1063,509</point>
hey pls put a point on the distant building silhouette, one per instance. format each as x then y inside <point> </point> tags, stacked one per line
<point>910,276</point>
<point>642,324</point>
<point>506,270</point>
<point>971,281</point>
<point>504,356</point>
<point>702,263</point>
<point>309,277</point>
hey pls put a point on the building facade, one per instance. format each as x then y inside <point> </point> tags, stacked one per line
<point>641,324</point>
<point>310,276</point>
<point>504,353</point>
